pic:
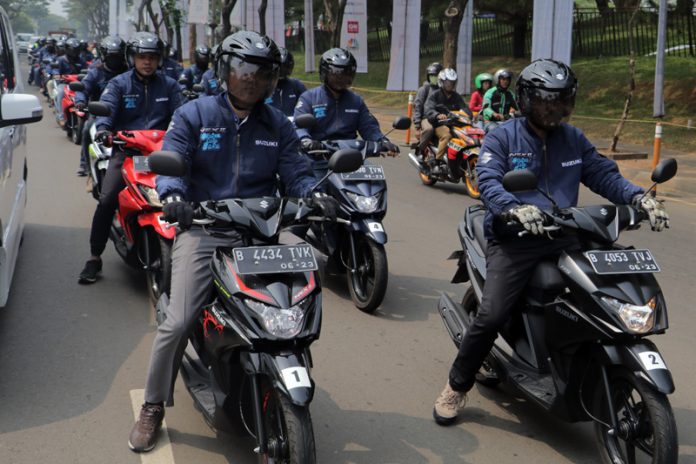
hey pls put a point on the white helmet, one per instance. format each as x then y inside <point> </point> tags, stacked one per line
<point>447,74</point>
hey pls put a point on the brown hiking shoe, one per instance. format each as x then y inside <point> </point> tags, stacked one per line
<point>448,405</point>
<point>143,437</point>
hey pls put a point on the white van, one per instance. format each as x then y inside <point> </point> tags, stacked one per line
<point>16,110</point>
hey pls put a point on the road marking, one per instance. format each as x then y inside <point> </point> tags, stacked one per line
<point>162,454</point>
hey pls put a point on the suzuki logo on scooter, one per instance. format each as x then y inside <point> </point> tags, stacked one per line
<point>603,211</point>
<point>264,204</point>
<point>567,314</point>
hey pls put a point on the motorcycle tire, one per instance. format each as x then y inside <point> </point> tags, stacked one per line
<point>486,375</point>
<point>289,431</point>
<point>471,182</point>
<point>643,413</point>
<point>76,135</point>
<point>368,283</point>
<point>157,256</point>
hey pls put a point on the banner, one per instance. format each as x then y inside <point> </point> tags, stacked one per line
<point>354,31</point>
<point>552,30</point>
<point>405,45</point>
<point>198,12</point>
<point>246,14</point>
<point>466,35</point>
<point>308,24</point>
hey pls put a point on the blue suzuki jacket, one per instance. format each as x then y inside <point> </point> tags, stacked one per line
<point>172,69</point>
<point>65,66</point>
<point>95,82</point>
<point>337,118</point>
<point>286,94</point>
<point>211,83</point>
<point>229,158</point>
<point>561,163</point>
<point>138,105</point>
<point>193,74</point>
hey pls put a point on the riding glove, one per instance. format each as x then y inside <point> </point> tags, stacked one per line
<point>104,137</point>
<point>391,148</point>
<point>175,209</point>
<point>531,218</point>
<point>327,205</point>
<point>655,209</point>
<point>311,145</point>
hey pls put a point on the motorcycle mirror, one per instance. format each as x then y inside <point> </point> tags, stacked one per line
<point>77,86</point>
<point>520,181</point>
<point>347,160</point>
<point>402,123</point>
<point>198,88</point>
<point>182,80</point>
<point>305,121</point>
<point>98,108</point>
<point>167,163</point>
<point>664,171</point>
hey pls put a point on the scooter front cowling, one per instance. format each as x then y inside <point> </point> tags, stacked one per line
<point>289,372</point>
<point>372,229</point>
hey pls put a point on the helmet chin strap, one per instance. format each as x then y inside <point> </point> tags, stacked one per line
<point>234,101</point>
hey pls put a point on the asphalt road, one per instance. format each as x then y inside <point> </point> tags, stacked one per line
<point>72,357</point>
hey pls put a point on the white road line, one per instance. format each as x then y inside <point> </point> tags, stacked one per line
<point>162,454</point>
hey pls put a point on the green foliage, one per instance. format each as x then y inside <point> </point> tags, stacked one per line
<point>32,8</point>
<point>90,16</point>
<point>22,23</point>
<point>52,22</point>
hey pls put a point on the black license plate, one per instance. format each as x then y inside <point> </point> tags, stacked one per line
<point>622,261</point>
<point>274,259</point>
<point>141,163</point>
<point>366,172</point>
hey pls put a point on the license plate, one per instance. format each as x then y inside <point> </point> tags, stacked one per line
<point>366,172</point>
<point>141,163</point>
<point>622,261</point>
<point>274,259</point>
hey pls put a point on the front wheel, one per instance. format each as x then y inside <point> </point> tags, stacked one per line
<point>290,436</point>
<point>77,128</point>
<point>368,283</point>
<point>647,432</point>
<point>471,178</point>
<point>157,257</point>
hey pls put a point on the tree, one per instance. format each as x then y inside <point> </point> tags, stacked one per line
<point>32,8</point>
<point>23,23</point>
<point>227,7</point>
<point>516,13</point>
<point>685,6</point>
<point>453,14</point>
<point>92,15</point>
<point>262,16</point>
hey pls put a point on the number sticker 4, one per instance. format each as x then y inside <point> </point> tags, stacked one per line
<point>296,377</point>
<point>652,360</point>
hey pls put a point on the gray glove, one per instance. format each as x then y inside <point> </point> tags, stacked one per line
<point>655,209</point>
<point>531,218</point>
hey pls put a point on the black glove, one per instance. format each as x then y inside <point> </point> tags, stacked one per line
<point>80,106</point>
<point>104,137</point>
<point>391,148</point>
<point>175,209</point>
<point>328,206</point>
<point>311,145</point>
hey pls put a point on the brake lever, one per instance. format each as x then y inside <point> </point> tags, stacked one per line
<point>323,219</point>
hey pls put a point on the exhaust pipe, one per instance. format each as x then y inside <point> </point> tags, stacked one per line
<point>414,161</point>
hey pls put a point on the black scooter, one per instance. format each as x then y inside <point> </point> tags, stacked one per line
<point>577,345</point>
<point>248,364</point>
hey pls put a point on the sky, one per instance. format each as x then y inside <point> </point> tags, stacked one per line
<point>56,7</point>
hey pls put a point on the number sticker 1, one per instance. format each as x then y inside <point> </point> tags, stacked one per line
<point>296,377</point>
<point>652,360</point>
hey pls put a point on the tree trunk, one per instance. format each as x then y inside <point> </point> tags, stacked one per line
<point>603,6</point>
<point>632,84</point>
<point>685,7</point>
<point>193,38</point>
<point>453,21</point>
<point>227,7</point>
<point>154,17</point>
<point>262,17</point>
<point>338,23</point>
<point>167,15</point>
<point>519,37</point>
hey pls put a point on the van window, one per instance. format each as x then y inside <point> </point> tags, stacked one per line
<point>6,56</point>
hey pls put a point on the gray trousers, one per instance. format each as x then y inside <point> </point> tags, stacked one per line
<point>191,283</point>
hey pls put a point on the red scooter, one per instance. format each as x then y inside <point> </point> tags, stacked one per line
<point>74,119</point>
<point>138,232</point>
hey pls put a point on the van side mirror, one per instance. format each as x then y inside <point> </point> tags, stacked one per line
<point>19,108</point>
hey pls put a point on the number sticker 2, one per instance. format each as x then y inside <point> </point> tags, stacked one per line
<point>296,377</point>
<point>652,360</point>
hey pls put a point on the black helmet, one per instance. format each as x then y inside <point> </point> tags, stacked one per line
<point>502,74</point>
<point>83,45</point>
<point>173,53</point>
<point>144,42</point>
<point>60,47</point>
<point>287,63</point>
<point>42,41</point>
<point>202,56</point>
<point>546,92</point>
<point>112,51</point>
<point>337,69</point>
<point>431,72</point>
<point>251,57</point>
<point>72,48</point>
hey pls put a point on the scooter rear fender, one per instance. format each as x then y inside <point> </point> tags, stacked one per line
<point>641,358</point>
<point>153,220</point>
<point>289,372</point>
<point>373,229</point>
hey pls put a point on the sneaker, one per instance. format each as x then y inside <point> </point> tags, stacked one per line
<point>89,273</point>
<point>82,172</point>
<point>448,405</point>
<point>143,437</point>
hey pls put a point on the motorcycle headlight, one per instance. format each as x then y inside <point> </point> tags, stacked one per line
<point>364,204</point>
<point>150,195</point>
<point>639,319</point>
<point>282,323</point>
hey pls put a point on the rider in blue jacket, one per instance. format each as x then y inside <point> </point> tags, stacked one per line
<point>70,63</point>
<point>170,66</point>
<point>562,158</point>
<point>340,113</point>
<point>209,80</point>
<point>288,90</point>
<point>235,146</point>
<point>141,98</point>
<point>112,51</point>
<point>194,73</point>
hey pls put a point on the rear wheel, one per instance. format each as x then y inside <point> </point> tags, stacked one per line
<point>77,127</point>
<point>290,436</point>
<point>647,432</point>
<point>368,283</point>
<point>427,179</point>
<point>157,257</point>
<point>487,375</point>
<point>471,180</point>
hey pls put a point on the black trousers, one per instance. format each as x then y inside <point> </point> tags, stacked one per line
<point>112,184</point>
<point>509,265</point>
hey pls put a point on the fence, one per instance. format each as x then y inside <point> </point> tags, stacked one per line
<point>594,35</point>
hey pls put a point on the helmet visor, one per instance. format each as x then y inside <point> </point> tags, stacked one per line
<point>432,79</point>
<point>340,78</point>
<point>247,81</point>
<point>547,109</point>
